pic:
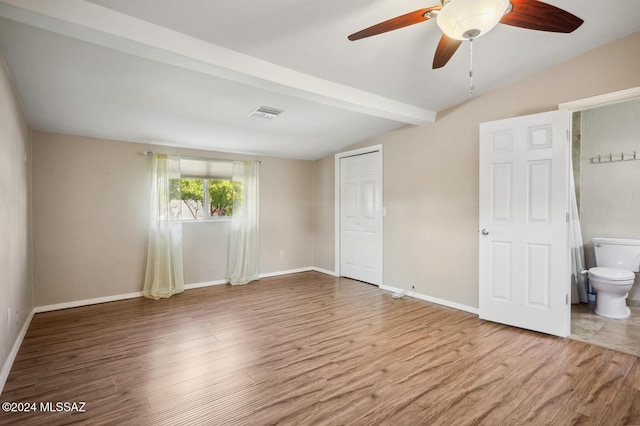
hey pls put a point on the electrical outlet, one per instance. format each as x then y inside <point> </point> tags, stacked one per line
<point>281,253</point>
<point>413,287</point>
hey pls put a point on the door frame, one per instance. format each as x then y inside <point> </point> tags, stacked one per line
<point>337,189</point>
<point>601,100</point>
<point>593,102</point>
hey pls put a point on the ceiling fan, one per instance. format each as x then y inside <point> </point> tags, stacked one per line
<point>462,20</point>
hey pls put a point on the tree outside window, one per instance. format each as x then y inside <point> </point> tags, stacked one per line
<point>219,195</point>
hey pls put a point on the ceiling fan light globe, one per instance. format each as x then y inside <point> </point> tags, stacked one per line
<point>459,19</point>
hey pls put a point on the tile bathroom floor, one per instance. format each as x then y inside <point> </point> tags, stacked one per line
<point>619,334</point>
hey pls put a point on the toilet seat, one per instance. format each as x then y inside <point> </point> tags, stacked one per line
<point>611,274</point>
<point>612,287</point>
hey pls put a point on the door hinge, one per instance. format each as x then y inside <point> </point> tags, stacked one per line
<point>568,136</point>
<point>567,215</point>
<point>566,299</point>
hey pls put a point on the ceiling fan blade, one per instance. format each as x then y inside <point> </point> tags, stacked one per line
<point>536,15</point>
<point>394,23</point>
<point>445,50</point>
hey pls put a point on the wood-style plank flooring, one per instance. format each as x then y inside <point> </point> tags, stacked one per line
<point>310,349</point>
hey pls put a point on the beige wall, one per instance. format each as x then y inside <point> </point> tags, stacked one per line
<point>431,172</point>
<point>90,219</point>
<point>324,214</point>
<point>205,250</point>
<point>286,214</point>
<point>610,203</point>
<point>16,299</point>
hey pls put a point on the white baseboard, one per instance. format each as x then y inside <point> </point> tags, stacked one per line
<point>115,298</point>
<point>325,271</point>
<point>290,271</point>
<point>436,300</point>
<point>265,275</point>
<point>6,368</point>
<point>205,284</point>
<point>86,302</point>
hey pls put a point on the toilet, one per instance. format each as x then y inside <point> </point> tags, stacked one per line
<point>617,259</point>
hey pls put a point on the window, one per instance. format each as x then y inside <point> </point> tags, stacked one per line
<point>205,191</point>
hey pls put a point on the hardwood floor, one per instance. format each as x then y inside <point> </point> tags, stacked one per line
<point>310,349</point>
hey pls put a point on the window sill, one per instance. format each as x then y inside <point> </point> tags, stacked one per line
<point>205,220</point>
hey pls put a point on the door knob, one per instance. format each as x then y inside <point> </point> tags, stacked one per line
<point>485,231</point>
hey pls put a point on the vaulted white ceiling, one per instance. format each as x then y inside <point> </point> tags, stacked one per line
<point>188,73</point>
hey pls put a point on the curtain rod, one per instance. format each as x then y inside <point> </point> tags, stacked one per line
<point>186,157</point>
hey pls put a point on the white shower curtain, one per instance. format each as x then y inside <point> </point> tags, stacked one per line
<point>244,240</point>
<point>578,281</point>
<point>164,276</point>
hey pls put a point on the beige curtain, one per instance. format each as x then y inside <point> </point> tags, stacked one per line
<point>244,239</point>
<point>164,276</point>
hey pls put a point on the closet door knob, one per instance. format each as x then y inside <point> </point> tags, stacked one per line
<point>485,231</point>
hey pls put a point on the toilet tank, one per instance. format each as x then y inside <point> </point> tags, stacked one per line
<point>621,253</point>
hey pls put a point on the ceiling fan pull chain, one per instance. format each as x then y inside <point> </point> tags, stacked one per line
<point>471,87</point>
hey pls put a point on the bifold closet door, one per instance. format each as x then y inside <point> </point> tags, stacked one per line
<point>361,218</point>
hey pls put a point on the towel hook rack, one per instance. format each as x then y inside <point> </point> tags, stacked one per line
<point>610,158</point>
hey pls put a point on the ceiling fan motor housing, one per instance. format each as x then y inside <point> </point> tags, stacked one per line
<point>468,19</point>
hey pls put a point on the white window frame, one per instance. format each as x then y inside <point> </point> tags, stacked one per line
<point>206,217</point>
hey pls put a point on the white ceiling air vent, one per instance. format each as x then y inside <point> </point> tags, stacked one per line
<point>266,112</point>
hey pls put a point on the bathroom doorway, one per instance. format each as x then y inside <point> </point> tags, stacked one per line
<point>606,138</point>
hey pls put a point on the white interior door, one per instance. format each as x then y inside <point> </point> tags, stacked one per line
<point>361,218</point>
<point>524,184</point>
